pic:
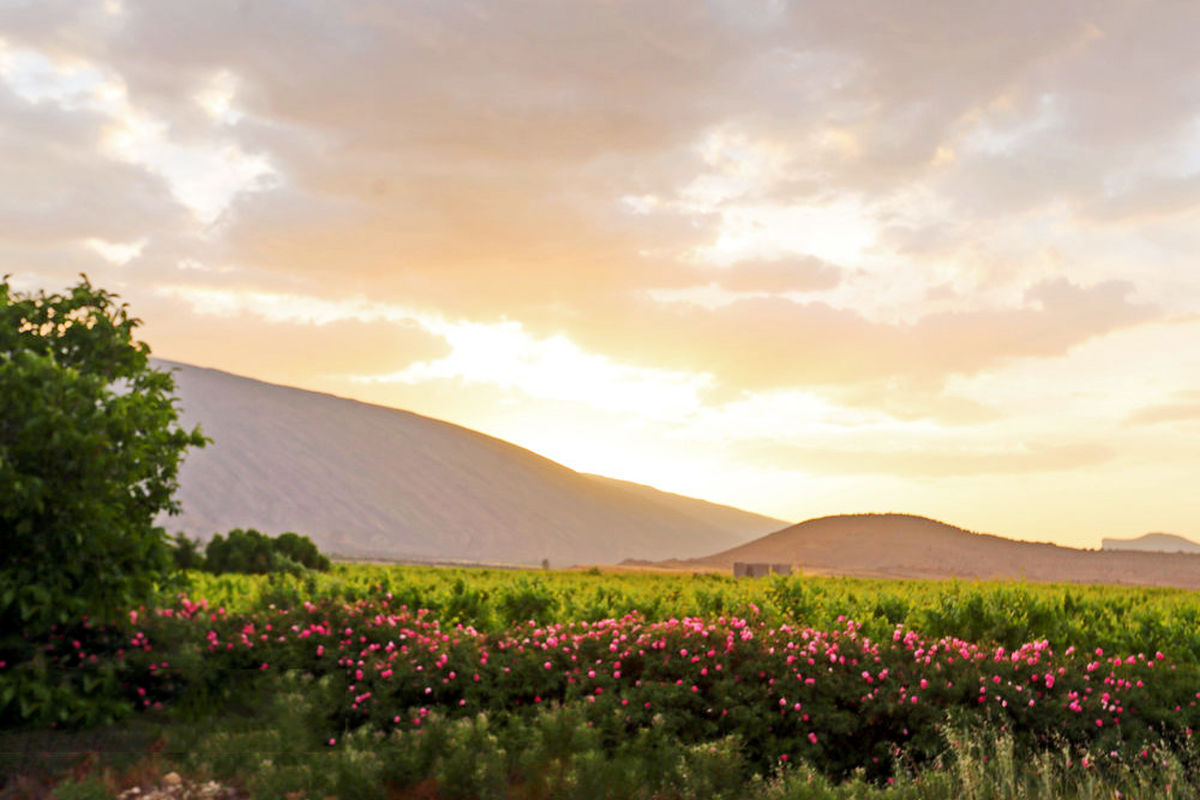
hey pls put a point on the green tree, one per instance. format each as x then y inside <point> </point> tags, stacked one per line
<point>247,551</point>
<point>89,452</point>
<point>186,552</point>
<point>302,550</point>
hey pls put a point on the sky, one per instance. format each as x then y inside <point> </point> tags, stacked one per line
<point>805,258</point>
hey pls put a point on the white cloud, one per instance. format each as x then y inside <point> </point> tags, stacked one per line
<point>204,175</point>
<point>118,253</point>
<point>502,354</point>
<point>70,83</point>
<point>285,307</point>
<point>217,98</point>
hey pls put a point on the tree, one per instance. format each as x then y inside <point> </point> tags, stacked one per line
<point>249,551</point>
<point>90,448</point>
<point>186,552</point>
<point>302,550</point>
<point>246,551</point>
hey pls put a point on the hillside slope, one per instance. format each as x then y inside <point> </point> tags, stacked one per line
<point>369,481</point>
<point>745,524</point>
<point>905,546</point>
<point>1152,543</point>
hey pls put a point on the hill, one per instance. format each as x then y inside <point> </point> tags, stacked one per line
<point>1152,543</point>
<point>906,546</point>
<point>373,482</point>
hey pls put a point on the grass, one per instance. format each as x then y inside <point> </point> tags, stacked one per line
<point>98,762</point>
<point>267,750</point>
<point>268,735</point>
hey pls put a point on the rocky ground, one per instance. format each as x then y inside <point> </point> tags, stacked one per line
<point>174,787</point>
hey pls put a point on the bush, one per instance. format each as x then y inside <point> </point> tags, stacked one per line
<point>301,550</point>
<point>248,551</point>
<point>89,452</point>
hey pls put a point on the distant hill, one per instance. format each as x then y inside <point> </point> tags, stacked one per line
<point>906,546</point>
<point>368,481</point>
<point>1153,543</point>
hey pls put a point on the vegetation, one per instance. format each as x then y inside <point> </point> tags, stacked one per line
<point>259,664</point>
<point>89,449</point>
<point>1115,618</point>
<point>454,683</point>
<point>251,552</point>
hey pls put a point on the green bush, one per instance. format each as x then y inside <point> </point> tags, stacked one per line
<point>301,550</point>
<point>89,452</point>
<point>248,551</point>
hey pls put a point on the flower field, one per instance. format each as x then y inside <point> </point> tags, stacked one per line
<point>724,680</point>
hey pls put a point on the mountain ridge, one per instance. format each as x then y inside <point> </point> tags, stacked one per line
<point>366,480</point>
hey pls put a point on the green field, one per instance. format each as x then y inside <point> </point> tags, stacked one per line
<point>372,681</point>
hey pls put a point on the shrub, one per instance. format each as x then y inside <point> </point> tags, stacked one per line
<point>248,551</point>
<point>89,452</point>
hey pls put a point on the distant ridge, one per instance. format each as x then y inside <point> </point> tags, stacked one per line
<point>1153,543</point>
<point>374,482</point>
<point>908,546</point>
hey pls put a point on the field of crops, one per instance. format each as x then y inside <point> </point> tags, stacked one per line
<point>466,683</point>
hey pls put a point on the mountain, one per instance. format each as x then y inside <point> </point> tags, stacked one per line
<point>906,546</point>
<point>368,481</point>
<point>746,524</point>
<point>1153,543</point>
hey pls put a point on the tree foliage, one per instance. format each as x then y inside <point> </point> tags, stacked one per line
<point>186,552</point>
<point>301,550</point>
<point>89,452</point>
<point>249,551</point>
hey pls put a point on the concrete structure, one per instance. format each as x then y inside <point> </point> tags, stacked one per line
<point>754,569</point>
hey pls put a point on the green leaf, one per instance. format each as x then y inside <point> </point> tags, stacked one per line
<point>88,462</point>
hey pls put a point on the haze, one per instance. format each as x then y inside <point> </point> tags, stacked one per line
<point>802,258</point>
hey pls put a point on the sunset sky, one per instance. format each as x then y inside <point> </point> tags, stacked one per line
<point>804,258</point>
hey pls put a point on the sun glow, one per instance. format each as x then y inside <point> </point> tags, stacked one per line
<point>771,259</point>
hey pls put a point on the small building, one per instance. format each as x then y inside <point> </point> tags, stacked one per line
<point>759,569</point>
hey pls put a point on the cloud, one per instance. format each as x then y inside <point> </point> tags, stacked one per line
<point>370,343</point>
<point>764,342</point>
<point>798,274</point>
<point>925,461</point>
<point>719,240</point>
<point>266,345</point>
<point>1183,407</point>
<point>914,400</point>
<point>67,192</point>
<point>1149,197</point>
<point>474,159</point>
<point>858,200</point>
